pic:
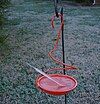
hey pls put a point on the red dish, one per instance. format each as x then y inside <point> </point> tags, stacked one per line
<point>52,88</point>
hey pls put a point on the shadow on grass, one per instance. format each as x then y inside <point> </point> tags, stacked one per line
<point>4,46</point>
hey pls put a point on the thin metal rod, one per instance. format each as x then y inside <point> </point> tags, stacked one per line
<point>63,48</point>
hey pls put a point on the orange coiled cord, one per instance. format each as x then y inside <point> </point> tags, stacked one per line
<point>67,67</point>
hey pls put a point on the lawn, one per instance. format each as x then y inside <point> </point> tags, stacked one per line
<point>30,38</point>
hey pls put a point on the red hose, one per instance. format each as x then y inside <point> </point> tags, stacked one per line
<point>67,67</point>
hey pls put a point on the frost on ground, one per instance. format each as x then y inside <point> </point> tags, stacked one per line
<point>31,38</point>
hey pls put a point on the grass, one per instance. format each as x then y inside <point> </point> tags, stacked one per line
<point>30,39</point>
<point>2,39</point>
<point>3,6</point>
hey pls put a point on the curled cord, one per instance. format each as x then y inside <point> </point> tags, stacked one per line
<point>51,53</point>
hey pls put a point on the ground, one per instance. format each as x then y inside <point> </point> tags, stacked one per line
<point>31,38</point>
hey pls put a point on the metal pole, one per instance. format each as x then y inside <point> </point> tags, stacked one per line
<point>63,47</point>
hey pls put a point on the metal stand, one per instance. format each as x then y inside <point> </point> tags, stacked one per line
<point>63,48</point>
